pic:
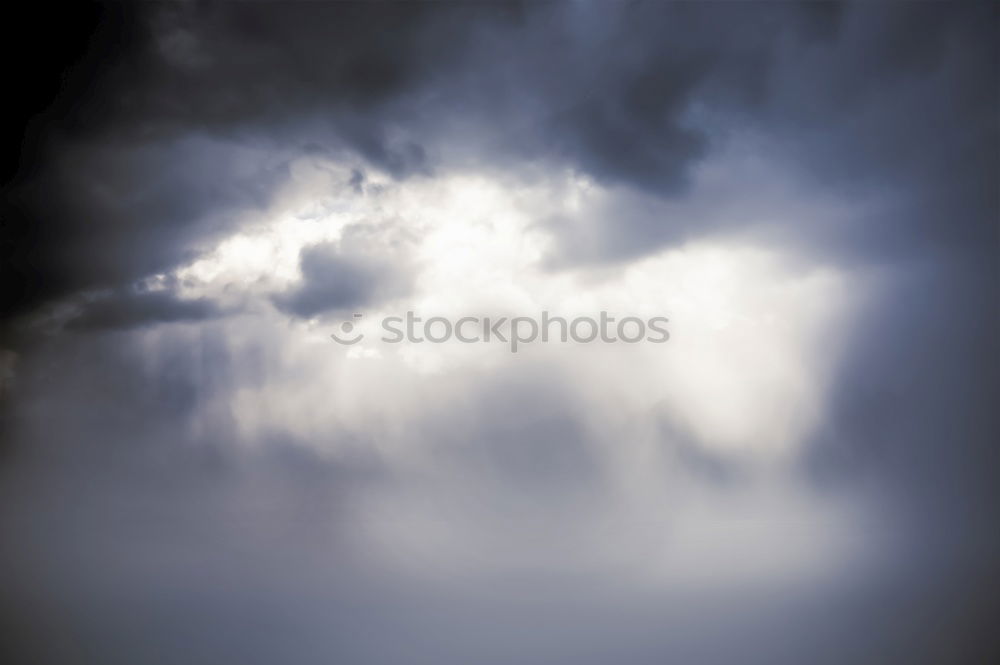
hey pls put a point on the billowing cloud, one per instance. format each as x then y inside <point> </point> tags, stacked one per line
<point>330,281</point>
<point>805,472</point>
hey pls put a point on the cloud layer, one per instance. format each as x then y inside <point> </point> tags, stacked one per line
<point>193,470</point>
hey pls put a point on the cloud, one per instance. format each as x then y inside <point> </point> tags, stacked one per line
<point>805,473</point>
<point>108,214</point>
<point>331,280</point>
<point>214,100</point>
<point>122,310</point>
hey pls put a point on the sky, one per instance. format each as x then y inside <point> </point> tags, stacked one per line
<point>198,195</point>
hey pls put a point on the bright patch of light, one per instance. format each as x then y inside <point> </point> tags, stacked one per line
<point>745,368</point>
<point>753,337</point>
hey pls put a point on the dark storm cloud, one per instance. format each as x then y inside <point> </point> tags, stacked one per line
<point>333,280</point>
<point>901,108</point>
<point>892,109</point>
<point>135,174</point>
<point>151,534</point>
<point>108,213</point>
<point>189,121</point>
<point>130,309</point>
<point>194,107</point>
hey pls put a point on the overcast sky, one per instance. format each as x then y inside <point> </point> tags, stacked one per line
<point>198,194</point>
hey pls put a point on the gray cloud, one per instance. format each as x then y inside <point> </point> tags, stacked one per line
<point>153,550</point>
<point>131,309</point>
<point>330,281</point>
<point>337,279</point>
<point>106,215</point>
<point>155,519</point>
<point>206,95</point>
